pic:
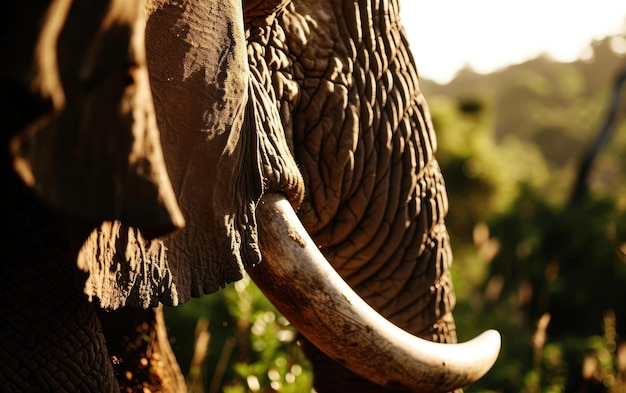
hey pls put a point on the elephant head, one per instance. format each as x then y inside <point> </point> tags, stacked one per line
<point>315,101</point>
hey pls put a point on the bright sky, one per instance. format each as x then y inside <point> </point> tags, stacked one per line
<point>489,34</point>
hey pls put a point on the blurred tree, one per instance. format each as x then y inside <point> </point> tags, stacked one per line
<point>550,278</point>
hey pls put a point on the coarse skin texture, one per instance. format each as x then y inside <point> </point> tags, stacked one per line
<point>242,92</point>
<point>50,337</point>
<point>346,88</point>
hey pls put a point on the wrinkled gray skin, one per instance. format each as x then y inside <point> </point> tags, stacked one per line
<point>315,99</point>
<point>375,197</point>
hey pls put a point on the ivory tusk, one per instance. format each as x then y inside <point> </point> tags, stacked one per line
<point>304,287</point>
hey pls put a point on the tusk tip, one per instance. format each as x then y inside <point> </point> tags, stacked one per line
<point>489,339</point>
<point>483,351</point>
<point>492,342</point>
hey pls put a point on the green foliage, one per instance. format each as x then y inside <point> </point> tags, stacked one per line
<point>253,349</point>
<point>550,277</point>
<point>565,265</point>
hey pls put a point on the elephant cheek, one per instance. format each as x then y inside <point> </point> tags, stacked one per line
<point>97,155</point>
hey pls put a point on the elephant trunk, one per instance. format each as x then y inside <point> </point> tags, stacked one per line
<point>306,289</point>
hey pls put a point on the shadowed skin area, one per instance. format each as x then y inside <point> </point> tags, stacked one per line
<point>361,134</point>
<point>39,348</point>
<point>80,145</point>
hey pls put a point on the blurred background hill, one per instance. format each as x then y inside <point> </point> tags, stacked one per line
<point>545,268</point>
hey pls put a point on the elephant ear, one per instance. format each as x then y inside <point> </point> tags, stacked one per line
<point>199,78</point>
<point>224,145</point>
<point>221,137</point>
<point>82,129</point>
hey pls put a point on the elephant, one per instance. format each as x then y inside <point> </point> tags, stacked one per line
<point>155,150</point>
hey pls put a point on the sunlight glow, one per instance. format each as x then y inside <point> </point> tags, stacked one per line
<point>487,35</point>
